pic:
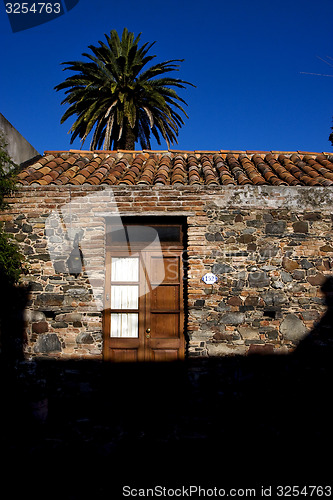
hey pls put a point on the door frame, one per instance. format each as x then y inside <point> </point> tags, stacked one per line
<point>168,248</point>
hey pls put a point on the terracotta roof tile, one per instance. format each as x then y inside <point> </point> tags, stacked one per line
<point>251,170</point>
<point>237,171</point>
<point>210,168</point>
<point>223,169</point>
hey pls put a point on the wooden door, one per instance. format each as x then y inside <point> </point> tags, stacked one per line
<point>144,312</point>
<point>164,315</point>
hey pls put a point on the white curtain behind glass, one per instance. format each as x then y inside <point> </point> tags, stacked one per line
<point>125,269</point>
<point>124,297</point>
<point>124,325</point>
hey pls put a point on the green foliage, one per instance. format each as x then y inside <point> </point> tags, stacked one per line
<point>7,173</point>
<point>11,259</point>
<point>331,136</point>
<point>125,102</point>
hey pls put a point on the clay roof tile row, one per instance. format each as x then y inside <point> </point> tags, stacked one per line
<point>210,168</point>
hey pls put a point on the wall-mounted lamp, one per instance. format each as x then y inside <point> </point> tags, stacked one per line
<point>75,260</point>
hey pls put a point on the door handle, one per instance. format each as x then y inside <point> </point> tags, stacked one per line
<point>148,333</point>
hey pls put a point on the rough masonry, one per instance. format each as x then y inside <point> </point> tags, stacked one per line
<point>269,245</point>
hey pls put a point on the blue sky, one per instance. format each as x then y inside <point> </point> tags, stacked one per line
<point>245,57</point>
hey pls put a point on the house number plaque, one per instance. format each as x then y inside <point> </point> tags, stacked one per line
<point>209,278</point>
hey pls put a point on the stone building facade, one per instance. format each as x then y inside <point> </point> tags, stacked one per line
<point>260,222</point>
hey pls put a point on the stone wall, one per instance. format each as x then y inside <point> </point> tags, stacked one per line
<point>271,248</point>
<point>18,148</point>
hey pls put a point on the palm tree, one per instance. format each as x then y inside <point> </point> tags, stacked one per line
<point>123,101</point>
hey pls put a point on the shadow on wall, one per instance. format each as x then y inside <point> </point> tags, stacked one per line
<point>86,429</point>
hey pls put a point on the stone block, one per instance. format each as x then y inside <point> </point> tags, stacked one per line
<point>49,300</point>
<point>316,280</point>
<point>36,287</point>
<point>235,301</point>
<point>233,318</point>
<point>60,266</point>
<point>274,298</point>
<point>47,343</point>
<point>276,228</point>
<point>226,218</point>
<point>289,264</point>
<point>248,333</point>
<point>45,257</point>
<point>292,328</point>
<point>301,227</point>
<point>258,279</point>
<point>199,303</point>
<point>251,247</point>
<point>306,264</point>
<point>312,216</point>
<point>79,293</point>
<point>59,324</point>
<point>286,277</point>
<point>269,268</point>
<point>254,223</point>
<point>326,248</point>
<point>222,306</point>
<point>223,336</point>
<point>246,238</point>
<point>263,349</point>
<point>277,284</point>
<point>270,332</point>
<point>310,315</point>
<point>221,349</point>
<point>267,252</point>
<point>85,338</point>
<point>299,274</point>
<point>40,327</point>
<point>33,316</point>
<point>222,269</point>
<point>27,228</point>
<point>20,237</point>
<point>69,317</point>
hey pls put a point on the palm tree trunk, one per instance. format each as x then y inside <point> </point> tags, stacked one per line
<point>127,140</point>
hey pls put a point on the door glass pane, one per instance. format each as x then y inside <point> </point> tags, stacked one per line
<point>168,233</point>
<point>125,269</point>
<point>124,325</point>
<point>124,297</point>
<point>131,234</point>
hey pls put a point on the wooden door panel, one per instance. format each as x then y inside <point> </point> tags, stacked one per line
<point>165,269</point>
<point>164,326</point>
<point>123,355</point>
<point>122,349</point>
<point>125,343</point>
<point>165,343</point>
<point>161,355</point>
<point>165,297</point>
<point>165,349</point>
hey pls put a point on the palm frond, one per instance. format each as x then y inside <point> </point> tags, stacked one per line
<point>113,95</point>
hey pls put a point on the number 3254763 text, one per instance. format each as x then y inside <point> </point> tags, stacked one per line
<point>35,8</point>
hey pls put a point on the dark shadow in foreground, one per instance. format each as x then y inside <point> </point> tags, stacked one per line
<point>85,429</point>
